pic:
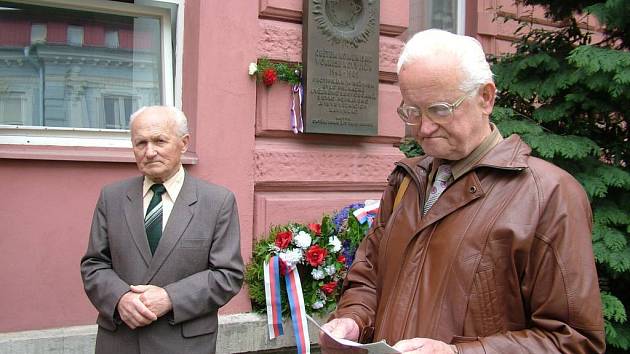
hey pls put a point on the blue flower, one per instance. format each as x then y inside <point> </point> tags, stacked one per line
<point>341,217</point>
<point>348,252</point>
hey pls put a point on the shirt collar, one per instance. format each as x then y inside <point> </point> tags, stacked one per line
<point>173,185</point>
<point>464,165</point>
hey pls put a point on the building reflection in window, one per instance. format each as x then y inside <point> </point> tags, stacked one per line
<point>80,69</point>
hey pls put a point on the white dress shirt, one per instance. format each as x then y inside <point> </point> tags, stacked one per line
<point>173,185</point>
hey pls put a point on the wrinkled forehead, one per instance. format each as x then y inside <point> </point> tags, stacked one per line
<point>440,68</point>
<point>424,81</point>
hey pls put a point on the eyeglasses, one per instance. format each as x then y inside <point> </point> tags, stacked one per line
<point>439,112</point>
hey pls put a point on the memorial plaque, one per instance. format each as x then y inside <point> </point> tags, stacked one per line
<point>340,59</point>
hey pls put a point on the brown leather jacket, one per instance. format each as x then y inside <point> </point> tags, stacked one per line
<point>502,262</point>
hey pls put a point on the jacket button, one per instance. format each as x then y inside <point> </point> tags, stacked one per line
<point>473,189</point>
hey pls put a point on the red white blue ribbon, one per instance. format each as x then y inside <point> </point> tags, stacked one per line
<point>368,212</point>
<point>297,124</point>
<point>272,297</point>
<point>298,312</point>
<point>296,304</point>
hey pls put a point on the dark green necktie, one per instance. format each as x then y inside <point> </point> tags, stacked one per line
<point>153,219</point>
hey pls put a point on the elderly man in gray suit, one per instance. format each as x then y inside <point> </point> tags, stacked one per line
<point>164,249</point>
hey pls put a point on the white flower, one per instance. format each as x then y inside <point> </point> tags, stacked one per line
<point>335,243</point>
<point>317,305</point>
<point>302,240</point>
<point>291,257</point>
<point>252,68</point>
<point>330,270</point>
<point>317,274</point>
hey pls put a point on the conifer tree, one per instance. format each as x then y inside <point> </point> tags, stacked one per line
<point>568,96</point>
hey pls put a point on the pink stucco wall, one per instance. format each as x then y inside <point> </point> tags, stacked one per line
<point>241,139</point>
<point>44,222</point>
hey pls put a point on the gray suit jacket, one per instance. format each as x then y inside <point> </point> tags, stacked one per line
<point>197,261</point>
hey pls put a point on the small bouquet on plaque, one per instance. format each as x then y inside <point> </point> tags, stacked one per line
<point>269,73</point>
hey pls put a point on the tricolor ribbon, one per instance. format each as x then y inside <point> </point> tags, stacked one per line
<point>368,212</point>
<point>272,297</point>
<point>297,124</point>
<point>296,304</point>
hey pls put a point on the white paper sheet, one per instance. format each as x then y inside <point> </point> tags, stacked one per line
<point>372,348</point>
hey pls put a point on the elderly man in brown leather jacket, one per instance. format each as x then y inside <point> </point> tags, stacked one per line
<point>488,249</point>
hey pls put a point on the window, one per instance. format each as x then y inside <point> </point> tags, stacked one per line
<point>444,14</point>
<point>117,109</point>
<point>12,107</point>
<point>111,39</point>
<point>85,66</point>
<point>75,35</point>
<point>38,33</point>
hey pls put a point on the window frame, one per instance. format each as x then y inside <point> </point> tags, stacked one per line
<point>424,22</point>
<point>461,17</point>
<point>44,136</point>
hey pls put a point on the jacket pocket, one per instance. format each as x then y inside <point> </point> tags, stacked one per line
<point>192,242</point>
<point>199,326</point>
<point>485,304</point>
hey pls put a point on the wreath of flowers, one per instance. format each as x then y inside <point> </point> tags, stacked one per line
<point>322,254</point>
<point>269,72</point>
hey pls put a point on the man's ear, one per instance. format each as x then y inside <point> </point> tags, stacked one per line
<point>488,94</point>
<point>185,142</point>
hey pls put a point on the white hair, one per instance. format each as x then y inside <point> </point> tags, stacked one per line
<point>176,115</point>
<point>436,43</point>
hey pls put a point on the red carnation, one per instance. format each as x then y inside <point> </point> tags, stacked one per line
<point>316,228</point>
<point>341,259</point>
<point>315,255</point>
<point>283,239</point>
<point>328,288</point>
<point>269,76</point>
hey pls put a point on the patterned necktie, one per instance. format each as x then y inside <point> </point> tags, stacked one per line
<point>153,219</point>
<point>442,176</point>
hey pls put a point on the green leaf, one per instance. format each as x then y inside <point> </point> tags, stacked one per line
<point>550,113</point>
<point>537,61</point>
<point>614,240</point>
<point>593,186</point>
<point>509,127</point>
<point>569,147</point>
<point>613,308</point>
<point>411,148</point>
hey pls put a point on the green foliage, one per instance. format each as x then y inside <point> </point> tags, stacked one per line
<point>290,73</point>
<point>353,231</point>
<point>568,98</point>
<point>410,148</point>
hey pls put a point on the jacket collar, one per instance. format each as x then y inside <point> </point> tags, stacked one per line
<point>510,154</point>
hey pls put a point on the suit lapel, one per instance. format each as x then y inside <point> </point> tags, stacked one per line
<point>135,220</point>
<point>177,223</point>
